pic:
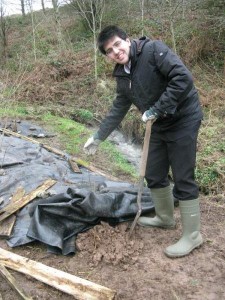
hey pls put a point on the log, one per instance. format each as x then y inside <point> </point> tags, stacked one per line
<point>81,289</point>
<point>12,282</point>
<point>9,209</point>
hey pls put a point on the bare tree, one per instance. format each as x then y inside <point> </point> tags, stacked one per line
<point>92,12</point>
<point>55,4</point>
<point>43,5</point>
<point>30,7</point>
<point>3,29</point>
<point>142,2</point>
<point>22,7</point>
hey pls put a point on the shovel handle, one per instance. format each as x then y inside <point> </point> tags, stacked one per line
<point>144,155</point>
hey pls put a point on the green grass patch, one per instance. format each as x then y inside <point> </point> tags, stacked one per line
<point>120,162</point>
<point>14,111</point>
<point>74,135</point>
<point>210,170</point>
<point>83,115</point>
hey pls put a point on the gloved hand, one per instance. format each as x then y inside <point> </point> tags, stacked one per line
<point>149,115</point>
<point>91,145</point>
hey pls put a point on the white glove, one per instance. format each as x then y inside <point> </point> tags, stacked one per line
<point>91,146</point>
<point>149,115</point>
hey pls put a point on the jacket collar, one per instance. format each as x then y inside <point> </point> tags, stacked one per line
<point>135,50</point>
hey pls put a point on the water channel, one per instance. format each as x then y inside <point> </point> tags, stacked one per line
<point>131,151</point>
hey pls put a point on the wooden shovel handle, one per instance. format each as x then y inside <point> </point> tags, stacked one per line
<point>144,155</point>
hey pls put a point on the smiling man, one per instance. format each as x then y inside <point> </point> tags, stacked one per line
<point>154,79</point>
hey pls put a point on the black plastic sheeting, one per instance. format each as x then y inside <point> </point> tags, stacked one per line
<point>76,203</point>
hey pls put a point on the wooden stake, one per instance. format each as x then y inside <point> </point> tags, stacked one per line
<point>80,288</point>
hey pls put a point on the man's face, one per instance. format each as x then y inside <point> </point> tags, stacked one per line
<point>118,50</point>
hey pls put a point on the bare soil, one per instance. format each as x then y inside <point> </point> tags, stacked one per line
<point>136,267</point>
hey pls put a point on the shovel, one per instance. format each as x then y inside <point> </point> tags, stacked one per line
<point>144,157</point>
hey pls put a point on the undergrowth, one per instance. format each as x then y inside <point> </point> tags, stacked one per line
<point>56,84</point>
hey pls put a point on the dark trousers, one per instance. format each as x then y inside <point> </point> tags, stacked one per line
<point>175,149</point>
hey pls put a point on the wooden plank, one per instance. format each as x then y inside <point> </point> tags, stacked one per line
<point>51,149</point>
<point>61,153</point>
<point>19,193</point>
<point>47,147</point>
<point>80,288</point>
<point>6,225</point>
<point>74,166</point>
<point>92,168</point>
<point>11,208</point>
<point>12,282</point>
<point>9,132</point>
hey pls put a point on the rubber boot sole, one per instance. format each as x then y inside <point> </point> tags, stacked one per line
<point>171,255</point>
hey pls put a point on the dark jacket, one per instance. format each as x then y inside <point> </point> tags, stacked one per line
<point>158,79</point>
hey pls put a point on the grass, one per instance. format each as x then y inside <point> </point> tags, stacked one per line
<point>16,111</point>
<point>120,163</point>
<point>210,171</point>
<point>73,135</point>
<point>210,168</point>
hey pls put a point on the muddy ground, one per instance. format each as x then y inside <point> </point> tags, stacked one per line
<point>136,268</point>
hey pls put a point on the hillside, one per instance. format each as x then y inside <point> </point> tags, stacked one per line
<point>48,67</point>
<point>48,78</point>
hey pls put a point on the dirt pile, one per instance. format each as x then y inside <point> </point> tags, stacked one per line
<point>111,245</point>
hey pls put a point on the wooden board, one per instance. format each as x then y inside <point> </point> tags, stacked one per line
<point>81,289</point>
<point>12,282</point>
<point>6,226</point>
<point>11,208</point>
<point>73,160</point>
<point>47,147</point>
<point>74,166</point>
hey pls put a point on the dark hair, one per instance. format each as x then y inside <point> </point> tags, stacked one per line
<point>107,33</point>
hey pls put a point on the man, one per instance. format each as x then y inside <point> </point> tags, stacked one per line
<point>153,78</point>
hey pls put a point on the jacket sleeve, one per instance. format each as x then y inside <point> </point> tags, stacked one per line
<point>178,77</point>
<point>116,114</point>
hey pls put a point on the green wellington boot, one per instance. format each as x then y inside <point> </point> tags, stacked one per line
<point>191,237</point>
<point>164,207</point>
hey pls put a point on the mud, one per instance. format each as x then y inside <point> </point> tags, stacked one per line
<point>137,268</point>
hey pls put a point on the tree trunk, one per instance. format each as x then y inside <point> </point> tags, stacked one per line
<point>22,7</point>
<point>43,6</point>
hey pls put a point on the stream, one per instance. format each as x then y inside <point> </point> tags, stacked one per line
<point>131,151</point>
